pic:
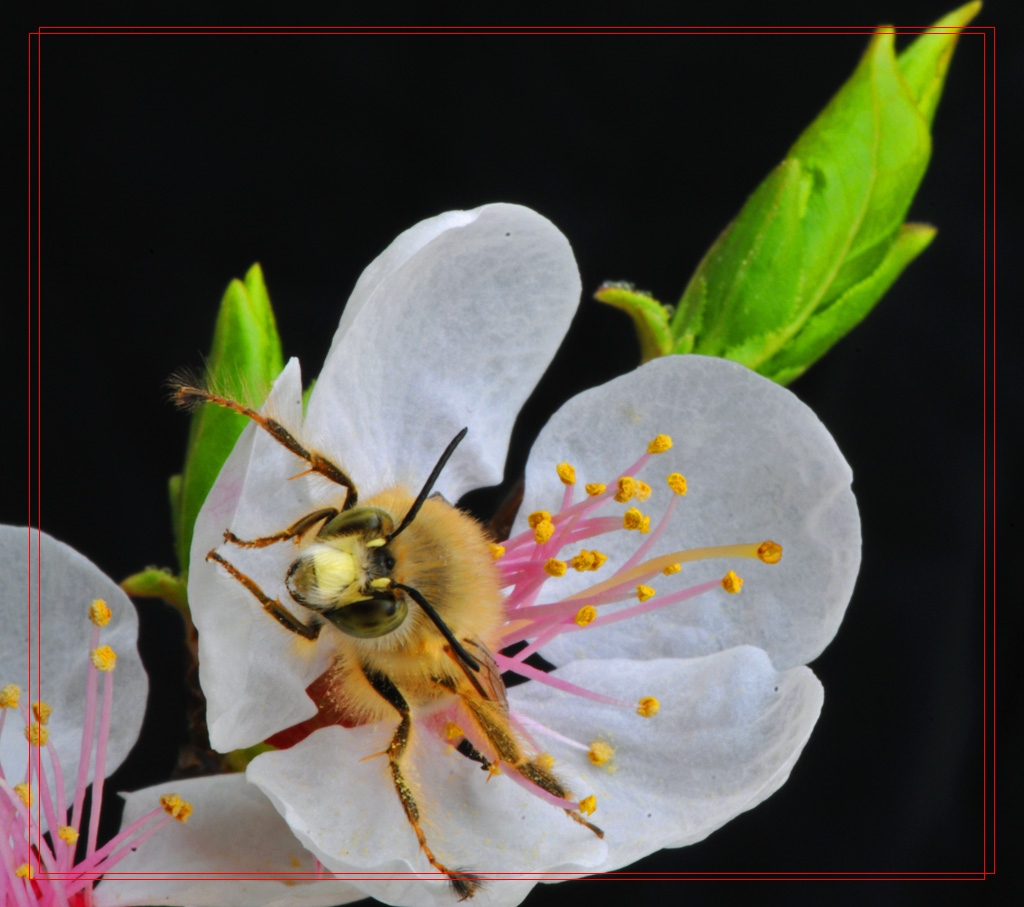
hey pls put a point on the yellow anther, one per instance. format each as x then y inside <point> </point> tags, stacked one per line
<point>497,551</point>
<point>600,752</point>
<point>543,531</point>
<point>99,612</point>
<point>538,517</point>
<point>174,806</point>
<point>24,791</point>
<point>566,473</point>
<point>67,834</point>
<point>645,525</point>
<point>376,543</point>
<point>770,552</point>
<point>24,871</point>
<point>732,583</point>
<point>627,488</point>
<point>554,567</point>
<point>677,483</point>
<point>644,593</point>
<point>672,568</point>
<point>660,444</point>
<point>648,707</point>
<point>10,695</point>
<point>381,582</point>
<point>582,561</point>
<point>643,490</point>
<point>632,519</point>
<point>42,711</point>
<point>544,761</point>
<point>452,731</point>
<point>103,658</point>
<point>595,488</point>
<point>588,805</point>
<point>36,734</point>
<point>588,560</point>
<point>585,615</point>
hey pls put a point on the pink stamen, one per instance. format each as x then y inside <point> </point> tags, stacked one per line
<point>544,795</point>
<point>526,722</point>
<point>530,673</point>
<point>88,728</point>
<point>652,538</point>
<point>101,760</point>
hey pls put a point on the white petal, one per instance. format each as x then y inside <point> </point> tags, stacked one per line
<point>759,465</point>
<point>452,326</point>
<point>233,832</point>
<point>347,812</point>
<point>253,671</point>
<point>69,582</point>
<point>728,733</point>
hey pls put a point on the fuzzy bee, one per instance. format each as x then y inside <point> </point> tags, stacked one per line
<point>409,583</point>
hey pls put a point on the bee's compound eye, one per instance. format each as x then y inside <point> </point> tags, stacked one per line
<point>385,562</point>
<point>369,522</point>
<point>367,619</point>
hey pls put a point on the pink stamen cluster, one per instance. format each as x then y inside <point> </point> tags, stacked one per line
<point>41,868</point>
<point>523,568</point>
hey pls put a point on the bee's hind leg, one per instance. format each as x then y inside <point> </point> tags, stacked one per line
<point>463,884</point>
<point>510,753</point>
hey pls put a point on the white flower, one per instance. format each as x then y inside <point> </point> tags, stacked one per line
<point>65,722</point>
<point>453,326</point>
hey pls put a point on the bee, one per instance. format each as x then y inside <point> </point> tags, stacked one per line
<point>408,588</point>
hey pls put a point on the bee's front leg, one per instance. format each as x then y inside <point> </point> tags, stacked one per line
<point>464,884</point>
<point>299,527</point>
<point>271,605</point>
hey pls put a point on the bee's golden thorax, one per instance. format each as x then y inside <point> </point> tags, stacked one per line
<point>445,555</point>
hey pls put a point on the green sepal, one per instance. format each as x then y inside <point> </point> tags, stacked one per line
<point>650,317</point>
<point>238,760</point>
<point>822,238</point>
<point>821,329</point>
<point>244,359</point>
<point>154,582</point>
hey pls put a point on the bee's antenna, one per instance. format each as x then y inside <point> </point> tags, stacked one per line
<point>428,608</point>
<point>424,494</point>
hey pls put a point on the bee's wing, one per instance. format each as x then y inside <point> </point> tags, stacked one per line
<point>487,681</point>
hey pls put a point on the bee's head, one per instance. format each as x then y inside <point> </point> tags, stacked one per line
<point>345,574</point>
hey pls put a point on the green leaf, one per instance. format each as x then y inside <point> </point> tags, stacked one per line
<point>650,317</point>
<point>821,239</point>
<point>244,359</point>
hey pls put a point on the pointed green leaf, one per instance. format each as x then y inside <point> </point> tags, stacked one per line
<point>925,62</point>
<point>245,357</point>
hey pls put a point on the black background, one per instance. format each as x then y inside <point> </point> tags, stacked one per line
<point>170,163</point>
